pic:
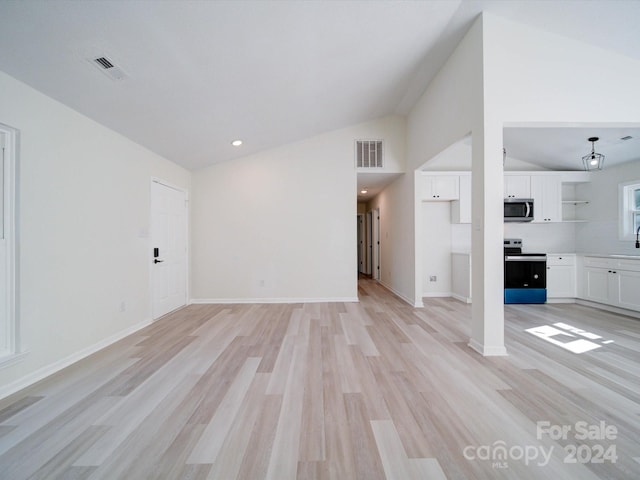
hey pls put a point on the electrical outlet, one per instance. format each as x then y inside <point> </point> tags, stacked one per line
<point>123,306</point>
<point>262,283</point>
<point>433,278</point>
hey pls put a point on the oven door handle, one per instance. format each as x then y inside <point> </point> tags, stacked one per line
<point>521,258</point>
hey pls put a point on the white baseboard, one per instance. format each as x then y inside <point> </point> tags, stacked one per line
<point>437,295</point>
<point>487,351</point>
<point>224,301</point>
<point>561,300</point>
<point>461,298</point>
<point>417,304</point>
<point>55,367</point>
<point>608,308</point>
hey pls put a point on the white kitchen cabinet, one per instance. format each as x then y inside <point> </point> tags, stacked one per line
<point>612,281</point>
<point>517,186</point>
<point>440,187</point>
<point>561,276</point>
<point>596,285</point>
<point>461,209</point>
<point>627,289</point>
<point>546,191</point>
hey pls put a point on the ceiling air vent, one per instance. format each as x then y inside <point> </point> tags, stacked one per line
<point>110,69</point>
<point>369,153</point>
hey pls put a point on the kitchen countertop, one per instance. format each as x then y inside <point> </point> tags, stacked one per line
<point>622,256</point>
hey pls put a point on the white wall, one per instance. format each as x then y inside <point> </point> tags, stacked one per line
<point>543,237</point>
<point>392,130</point>
<point>84,224</point>
<point>457,157</point>
<point>436,248</point>
<point>534,76</point>
<point>280,225</point>
<point>448,110</point>
<point>600,233</point>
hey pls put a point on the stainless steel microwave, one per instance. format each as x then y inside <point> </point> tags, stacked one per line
<point>518,209</point>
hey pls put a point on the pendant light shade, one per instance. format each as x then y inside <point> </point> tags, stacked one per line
<point>593,161</point>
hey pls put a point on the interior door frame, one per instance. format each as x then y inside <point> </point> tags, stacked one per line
<point>9,162</point>
<point>369,243</point>
<point>150,257</point>
<point>361,246</point>
<point>375,257</point>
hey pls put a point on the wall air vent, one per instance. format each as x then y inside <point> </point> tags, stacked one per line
<point>369,153</point>
<point>108,67</point>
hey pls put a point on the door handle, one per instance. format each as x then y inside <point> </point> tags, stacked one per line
<point>155,260</point>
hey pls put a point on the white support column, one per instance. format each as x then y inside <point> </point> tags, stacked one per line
<point>487,323</point>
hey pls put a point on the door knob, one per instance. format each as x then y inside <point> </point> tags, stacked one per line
<point>155,260</point>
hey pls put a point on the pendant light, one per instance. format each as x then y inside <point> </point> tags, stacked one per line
<point>593,161</point>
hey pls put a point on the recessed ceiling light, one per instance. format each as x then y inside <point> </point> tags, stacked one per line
<point>236,143</point>
<point>363,191</point>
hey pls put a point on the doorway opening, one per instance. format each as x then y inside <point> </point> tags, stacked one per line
<point>368,227</point>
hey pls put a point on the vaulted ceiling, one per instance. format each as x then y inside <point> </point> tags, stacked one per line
<point>198,74</point>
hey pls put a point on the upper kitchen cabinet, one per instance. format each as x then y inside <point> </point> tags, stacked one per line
<point>546,191</point>
<point>439,187</point>
<point>461,209</point>
<point>517,186</point>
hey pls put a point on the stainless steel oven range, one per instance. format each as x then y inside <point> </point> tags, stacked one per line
<point>525,274</point>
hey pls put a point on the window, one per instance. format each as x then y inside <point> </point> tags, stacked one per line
<point>629,218</point>
<point>636,208</point>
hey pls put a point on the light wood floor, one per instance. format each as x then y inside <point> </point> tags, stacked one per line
<point>344,391</point>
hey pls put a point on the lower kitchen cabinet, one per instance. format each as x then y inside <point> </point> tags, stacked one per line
<point>596,285</point>
<point>628,289</point>
<point>611,281</point>
<point>561,276</point>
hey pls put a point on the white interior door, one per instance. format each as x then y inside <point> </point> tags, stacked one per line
<point>169,248</point>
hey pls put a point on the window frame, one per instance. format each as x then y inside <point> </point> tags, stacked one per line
<point>627,211</point>
<point>10,345</point>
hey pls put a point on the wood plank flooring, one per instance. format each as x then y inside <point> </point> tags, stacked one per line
<point>373,390</point>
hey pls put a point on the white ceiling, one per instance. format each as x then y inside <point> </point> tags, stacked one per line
<point>562,148</point>
<point>200,74</point>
